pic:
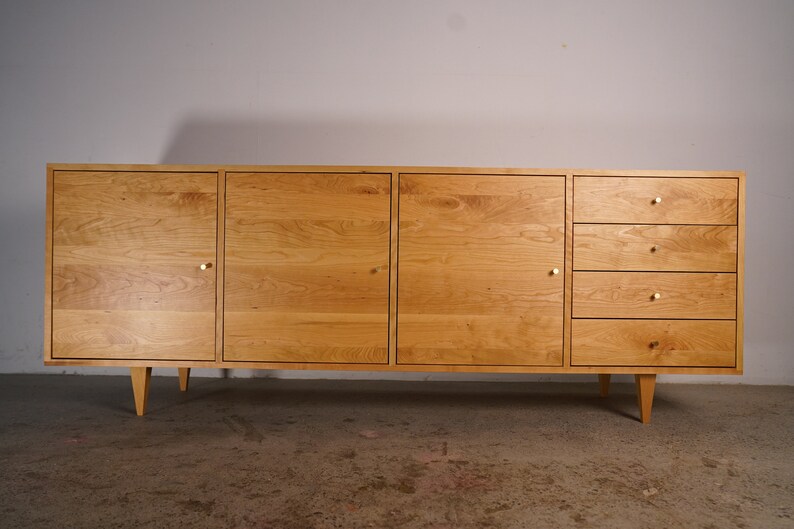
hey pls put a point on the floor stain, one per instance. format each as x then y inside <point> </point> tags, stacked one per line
<point>244,427</point>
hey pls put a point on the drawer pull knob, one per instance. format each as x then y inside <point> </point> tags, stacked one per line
<point>654,344</point>
<point>657,200</point>
<point>204,266</point>
<point>655,248</point>
<point>555,271</point>
<point>378,268</point>
<point>656,295</point>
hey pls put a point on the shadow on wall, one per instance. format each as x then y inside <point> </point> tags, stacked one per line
<point>206,140</point>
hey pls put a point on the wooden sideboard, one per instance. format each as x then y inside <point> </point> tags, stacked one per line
<point>394,269</point>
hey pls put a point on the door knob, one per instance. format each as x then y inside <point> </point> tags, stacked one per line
<point>204,266</point>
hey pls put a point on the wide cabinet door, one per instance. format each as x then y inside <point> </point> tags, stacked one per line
<point>306,270</point>
<point>127,275</point>
<point>480,277</point>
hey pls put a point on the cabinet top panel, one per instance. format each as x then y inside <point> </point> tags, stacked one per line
<point>397,169</point>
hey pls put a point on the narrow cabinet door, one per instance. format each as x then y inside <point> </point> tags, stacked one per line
<point>480,277</point>
<point>306,273</point>
<point>127,256</point>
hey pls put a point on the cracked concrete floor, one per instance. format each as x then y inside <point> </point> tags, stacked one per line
<point>300,454</point>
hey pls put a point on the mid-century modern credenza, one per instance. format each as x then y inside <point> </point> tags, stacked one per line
<point>394,269</point>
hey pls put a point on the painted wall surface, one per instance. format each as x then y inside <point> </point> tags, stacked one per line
<point>610,84</point>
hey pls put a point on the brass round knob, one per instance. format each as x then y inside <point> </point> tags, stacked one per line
<point>555,271</point>
<point>204,266</point>
<point>654,344</point>
<point>657,200</point>
<point>656,295</point>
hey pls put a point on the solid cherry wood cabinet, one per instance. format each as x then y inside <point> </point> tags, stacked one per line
<point>395,269</point>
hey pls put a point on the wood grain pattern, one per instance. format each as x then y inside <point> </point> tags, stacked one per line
<point>708,343</point>
<point>128,334</point>
<point>305,242</point>
<point>482,199</point>
<point>630,295</point>
<point>126,250</point>
<point>475,269</point>
<point>117,201</point>
<point>445,291</point>
<point>307,288</point>
<point>306,337</point>
<point>631,200</point>
<point>307,267</point>
<point>184,179</point>
<point>492,339</point>
<point>140,287</point>
<point>509,248</point>
<point>307,196</point>
<point>655,248</point>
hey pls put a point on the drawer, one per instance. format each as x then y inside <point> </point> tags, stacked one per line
<point>672,248</point>
<point>674,343</point>
<point>640,200</point>
<point>654,295</point>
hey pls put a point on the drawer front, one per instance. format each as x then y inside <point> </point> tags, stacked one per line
<point>633,200</point>
<point>673,343</point>
<point>654,295</point>
<point>654,248</point>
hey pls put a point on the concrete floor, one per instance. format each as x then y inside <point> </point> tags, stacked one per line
<point>297,454</point>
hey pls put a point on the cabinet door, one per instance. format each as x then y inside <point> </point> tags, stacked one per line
<point>127,250</point>
<point>476,281</point>
<point>306,272</point>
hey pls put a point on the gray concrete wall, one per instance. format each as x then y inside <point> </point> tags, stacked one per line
<point>608,84</point>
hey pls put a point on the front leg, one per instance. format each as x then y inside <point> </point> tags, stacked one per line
<point>645,386</point>
<point>184,378</point>
<point>141,377</point>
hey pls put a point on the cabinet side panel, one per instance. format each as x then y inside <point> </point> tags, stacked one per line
<point>740,276</point>
<point>569,240</point>
<point>47,353</point>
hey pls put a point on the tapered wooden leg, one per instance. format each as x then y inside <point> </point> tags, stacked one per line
<point>645,386</point>
<point>184,378</point>
<point>141,376</point>
<point>603,383</point>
